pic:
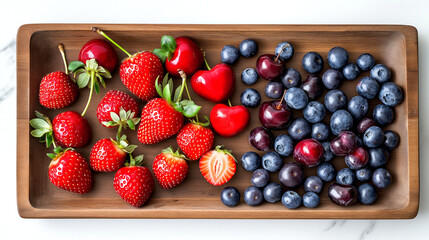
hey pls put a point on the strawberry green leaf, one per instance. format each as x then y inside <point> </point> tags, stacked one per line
<point>178,107</point>
<point>97,87</point>
<point>122,114</point>
<point>161,54</point>
<point>73,66</point>
<point>104,72</point>
<point>167,93</point>
<point>39,123</point>
<point>168,43</point>
<point>129,148</point>
<point>115,117</point>
<point>57,150</point>
<point>138,160</point>
<point>49,139</point>
<point>38,132</point>
<point>51,155</point>
<point>131,124</point>
<point>191,110</point>
<point>109,123</point>
<point>83,80</point>
<point>91,64</point>
<point>158,87</point>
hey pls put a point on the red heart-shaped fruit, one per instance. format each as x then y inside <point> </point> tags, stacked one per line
<point>229,121</point>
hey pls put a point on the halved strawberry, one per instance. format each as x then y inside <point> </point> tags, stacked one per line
<point>170,168</point>
<point>218,166</point>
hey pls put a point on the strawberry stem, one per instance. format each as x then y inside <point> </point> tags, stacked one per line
<point>229,103</point>
<point>118,135</point>
<point>90,93</point>
<point>61,48</point>
<point>97,30</point>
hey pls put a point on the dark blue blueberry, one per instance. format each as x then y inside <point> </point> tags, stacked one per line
<point>299,129</point>
<point>363,174</point>
<point>373,137</point>
<point>326,171</point>
<point>248,48</point>
<point>260,178</point>
<point>390,94</point>
<point>312,62</point>
<point>351,71</point>
<point>391,140</point>
<point>335,100</point>
<point>273,192</point>
<point>285,50</point>
<point>249,76</point>
<point>230,196</point>
<point>367,194</point>
<point>314,112</point>
<point>367,87</point>
<point>332,79</point>
<point>381,178</point>
<point>274,90</point>
<point>327,153</point>
<point>383,115</point>
<point>337,57</point>
<point>313,184</point>
<point>250,98</point>
<point>320,132</point>
<point>283,145</point>
<point>365,62</point>
<point>345,176</point>
<point>341,120</point>
<point>378,157</point>
<point>272,161</point>
<point>250,161</point>
<point>291,78</point>
<point>380,73</point>
<point>310,200</point>
<point>291,199</point>
<point>229,54</point>
<point>358,107</point>
<point>296,98</point>
<point>253,196</point>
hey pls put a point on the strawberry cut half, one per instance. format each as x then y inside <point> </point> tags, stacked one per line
<point>218,166</point>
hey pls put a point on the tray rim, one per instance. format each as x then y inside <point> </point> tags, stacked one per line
<point>27,210</point>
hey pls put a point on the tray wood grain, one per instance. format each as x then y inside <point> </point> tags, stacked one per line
<point>392,45</point>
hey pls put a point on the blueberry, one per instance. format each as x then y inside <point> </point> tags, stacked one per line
<point>274,90</point>
<point>381,178</point>
<point>358,107</point>
<point>320,132</point>
<point>313,184</point>
<point>229,54</point>
<point>345,176</point>
<point>351,71</point>
<point>363,174</point>
<point>310,200</point>
<point>378,157</point>
<point>253,196</point>
<point>390,94</point>
<point>250,98</point>
<point>260,178</point>
<point>312,62</point>
<point>291,78</point>
<point>230,196</point>
<point>391,140</point>
<point>341,120</point>
<point>299,129</point>
<point>338,57</point>
<point>286,50</point>
<point>283,145</point>
<point>248,48</point>
<point>296,98</point>
<point>332,78</point>
<point>249,76</point>
<point>335,100</point>
<point>314,112</point>
<point>365,62</point>
<point>367,194</point>
<point>327,153</point>
<point>373,137</point>
<point>250,161</point>
<point>272,161</point>
<point>383,115</point>
<point>273,192</point>
<point>291,199</point>
<point>380,73</point>
<point>367,87</point>
<point>326,171</point>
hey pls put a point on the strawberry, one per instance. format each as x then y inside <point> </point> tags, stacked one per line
<point>170,168</point>
<point>70,171</point>
<point>56,89</point>
<point>71,129</point>
<point>195,139</point>
<point>134,183</point>
<point>113,102</point>
<point>218,166</point>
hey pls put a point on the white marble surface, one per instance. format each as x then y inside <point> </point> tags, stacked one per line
<point>18,12</point>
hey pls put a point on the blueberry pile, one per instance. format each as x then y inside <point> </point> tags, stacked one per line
<point>330,126</point>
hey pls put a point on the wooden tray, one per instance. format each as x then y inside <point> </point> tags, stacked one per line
<point>37,55</point>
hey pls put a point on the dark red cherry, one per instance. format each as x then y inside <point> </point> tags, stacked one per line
<point>269,67</point>
<point>261,138</point>
<point>346,142</point>
<point>364,124</point>
<point>291,175</point>
<point>274,115</point>
<point>343,195</point>
<point>313,86</point>
<point>308,152</point>
<point>357,159</point>
<point>102,52</point>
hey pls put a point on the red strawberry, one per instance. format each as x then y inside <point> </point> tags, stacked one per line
<point>134,183</point>
<point>170,168</point>
<point>195,139</point>
<point>70,171</point>
<point>217,166</point>
<point>71,129</point>
<point>56,89</point>
<point>113,101</point>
